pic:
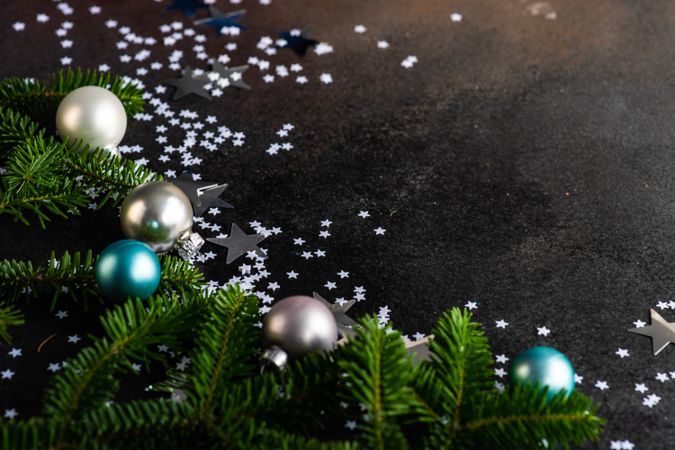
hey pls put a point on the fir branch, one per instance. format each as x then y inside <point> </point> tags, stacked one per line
<point>30,97</point>
<point>524,417</point>
<point>74,274</point>
<point>461,370</point>
<point>223,346</point>
<point>9,317</point>
<point>281,440</point>
<point>15,129</point>
<point>156,423</point>
<point>65,81</point>
<point>49,162</point>
<point>31,434</point>
<point>88,380</point>
<point>24,95</point>
<point>108,173</point>
<point>378,370</point>
<point>34,182</point>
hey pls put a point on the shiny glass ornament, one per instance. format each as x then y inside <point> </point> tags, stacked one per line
<point>298,325</point>
<point>94,116</point>
<point>546,366</point>
<point>127,268</point>
<point>158,214</point>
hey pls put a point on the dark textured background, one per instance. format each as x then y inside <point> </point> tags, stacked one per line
<point>523,162</point>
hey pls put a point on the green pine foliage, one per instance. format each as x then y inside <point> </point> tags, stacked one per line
<point>73,275</point>
<point>30,97</point>
<point>224,400</point>
<point>47,177</point>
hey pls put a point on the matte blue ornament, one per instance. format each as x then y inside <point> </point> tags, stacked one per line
<point>127,268</point>
<point>546,366</point>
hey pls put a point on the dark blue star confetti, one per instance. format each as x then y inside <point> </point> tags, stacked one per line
<point>220,20</point>
<point>296,41</point>
<point>187,7</point>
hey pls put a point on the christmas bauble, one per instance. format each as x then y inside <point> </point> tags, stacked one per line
<point>157,213</point>
<point>300,325</point>
<point>94,116</point>
<point>127,268</point>
<point>546,366</point>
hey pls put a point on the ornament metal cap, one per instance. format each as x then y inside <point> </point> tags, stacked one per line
<point>275,357</point>
<point>188,245</point>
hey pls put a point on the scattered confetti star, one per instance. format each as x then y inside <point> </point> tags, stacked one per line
<point>641,388</point>
<point>543,331</point>
<point>602,385</point>
<point>7,374</point>
<point>10,413</point>
<point>662,377</point>
<point>622,353</point>
<point>456,17</point>
<point>501,324</point>
<point>379,231</point>
<point>14,352</point>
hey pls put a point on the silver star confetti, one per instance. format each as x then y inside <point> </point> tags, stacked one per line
<point>345,323</point>
<point>202,194</point>
<point>419,350</point>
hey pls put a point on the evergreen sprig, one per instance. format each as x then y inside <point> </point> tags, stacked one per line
<point>30,97</point>
<point>46,176</point>
<point>74,275</point>
<point>225,402</point>
<point>10,316</point>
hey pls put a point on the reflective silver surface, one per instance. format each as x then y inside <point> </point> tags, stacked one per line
<point>300,325</point>
<point>94,115</point>
<point>157,213</point>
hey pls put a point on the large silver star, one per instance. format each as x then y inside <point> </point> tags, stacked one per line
<point>202,194</point>
<point>345,323</point>
<point>419,349</point>
<point>189,83</point>
<point>232,74</point>
<point>661,332</point>
<point>239,243</point>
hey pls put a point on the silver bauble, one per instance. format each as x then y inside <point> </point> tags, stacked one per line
<point>300,325</point>
<point>92,115</point>
<point>157,213</point>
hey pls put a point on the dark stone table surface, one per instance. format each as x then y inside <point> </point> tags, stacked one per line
<point>524,162</point>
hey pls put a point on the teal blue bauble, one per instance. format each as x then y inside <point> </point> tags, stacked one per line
<point>546,366</point>
<point>127,268</point>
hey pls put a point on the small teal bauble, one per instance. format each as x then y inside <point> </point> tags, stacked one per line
<point>127,268</point>
<point>546,366</point>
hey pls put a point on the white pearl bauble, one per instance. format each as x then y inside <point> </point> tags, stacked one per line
<point>92,115</point>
